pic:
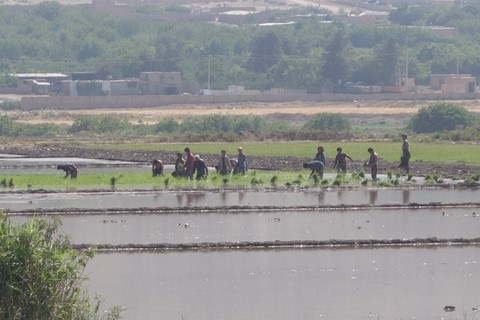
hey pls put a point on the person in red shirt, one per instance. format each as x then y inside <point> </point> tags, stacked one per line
<point>189,163</point>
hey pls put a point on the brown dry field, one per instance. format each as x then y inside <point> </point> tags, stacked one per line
<point>284,110</point>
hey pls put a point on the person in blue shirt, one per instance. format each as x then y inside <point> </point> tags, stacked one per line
<point>242,163</point>
<point>320,156</point>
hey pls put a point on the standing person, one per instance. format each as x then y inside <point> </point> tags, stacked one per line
<point>341,161</point>
<point>224,166</point>
<point>189,162</point>
<point>320,156</point>
<point>405,158</point>
<point>157,167</point>
<point>373,163</point>
<point>242,164</point>
<point>179,166</point>
<point>200,167</point>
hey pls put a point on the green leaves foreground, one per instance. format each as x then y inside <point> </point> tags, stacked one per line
<point>41,277</point>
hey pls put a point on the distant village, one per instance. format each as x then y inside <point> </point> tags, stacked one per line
<point>170,83</point>
<point>78,84</point>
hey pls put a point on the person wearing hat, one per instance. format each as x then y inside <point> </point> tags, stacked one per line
<point>179,166</point>
<point>341,161</point>
<point>200,168</point>
<point>242,164</point>
<point>405,158</point>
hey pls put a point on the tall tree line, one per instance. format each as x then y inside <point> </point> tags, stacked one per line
<point>309,54</point>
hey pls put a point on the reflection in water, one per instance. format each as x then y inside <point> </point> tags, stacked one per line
<point>321,197</point>
<point>339,196</point>
<point>179,199</point>
<point>406,196</point>
<point>224,198</point>
<point>241,197</point>
<point>373,197</point>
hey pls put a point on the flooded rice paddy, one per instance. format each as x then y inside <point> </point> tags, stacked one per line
<point>347,284</point>
<point>228,198</point>
<point>349,281</point>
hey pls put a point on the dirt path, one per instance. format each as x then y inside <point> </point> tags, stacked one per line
<point>281,109</point>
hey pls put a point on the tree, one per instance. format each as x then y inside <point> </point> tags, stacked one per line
<point>440,116</point>
<point>336,67</point>
<point>41,276</point>
<point>387,57</point>
<point>266,51</point>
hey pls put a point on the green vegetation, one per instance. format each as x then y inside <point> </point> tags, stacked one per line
<point>305,55</point>
<point>128,181</point>
<point>41,277</point>
<point>390,151</point>
<point>440,116</point>
<point>328,121</point>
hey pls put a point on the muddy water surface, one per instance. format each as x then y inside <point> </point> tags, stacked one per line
<point>270,226</point>
<point>173,199</point>
<point>356,284</point>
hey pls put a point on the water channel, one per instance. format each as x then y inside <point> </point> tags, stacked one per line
<point>203,198</point>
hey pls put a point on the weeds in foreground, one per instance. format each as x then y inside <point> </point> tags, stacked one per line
<point>35,252</point>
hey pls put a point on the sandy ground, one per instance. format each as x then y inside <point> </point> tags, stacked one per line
<point>283,111</point>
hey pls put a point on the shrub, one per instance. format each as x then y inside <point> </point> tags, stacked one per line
<point>106,124</point>
<point>328,121</point>
<point>41,276</point>
<point>440,117</point>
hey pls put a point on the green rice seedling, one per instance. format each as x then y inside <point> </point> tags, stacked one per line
<point>166,182</point>
<point>4,183</point>
<point>225,181</point>
<point>475,176</point>
<point>297,181</point>
<point>255,182</point>
<point>113,181</point>
<point>361,174</point>
<point>389,174</point>
<point>337,182</point>
<point>324,182</point>
<point>384,183</point>
<point>409,176</point>
<point>365,182</point>
<point>10,183</point>
<point>396,182</point>
<point>315,178</point>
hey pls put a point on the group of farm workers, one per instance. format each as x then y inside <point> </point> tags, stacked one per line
<point>340,164</point>
<point>191,164</point>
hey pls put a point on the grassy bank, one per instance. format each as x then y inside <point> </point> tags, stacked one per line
<point>390,151</point>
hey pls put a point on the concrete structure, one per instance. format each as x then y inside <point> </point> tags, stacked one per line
<point>54,79</point>
<point>77,88</point>
<point>453,83</point>
<point>160,83</point>
<point>66,103</point>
